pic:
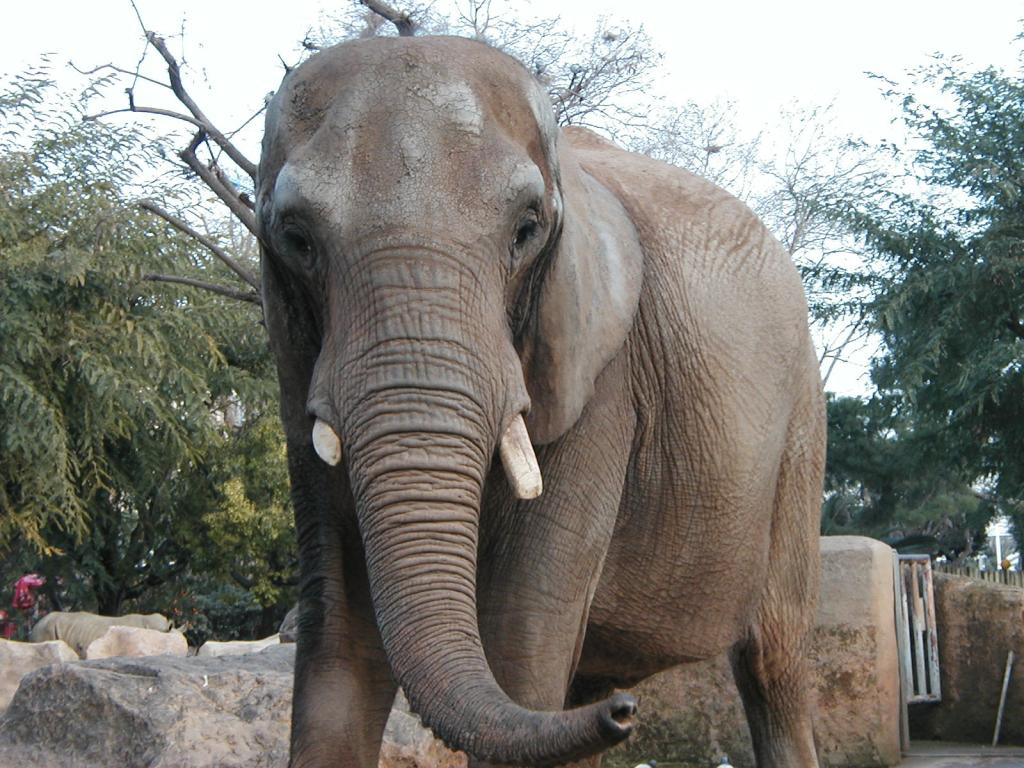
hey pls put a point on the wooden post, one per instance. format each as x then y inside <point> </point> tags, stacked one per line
<point>934,685</point>
<point>917,621</point>
<point>903,650</point>
<point>1002,697</point>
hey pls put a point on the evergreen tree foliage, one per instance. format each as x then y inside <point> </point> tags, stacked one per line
<point>948,243</point>
<point>887,476</point>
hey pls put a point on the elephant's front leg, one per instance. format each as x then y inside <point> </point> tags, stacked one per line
<point>540,561</point>
<point>343,686</point>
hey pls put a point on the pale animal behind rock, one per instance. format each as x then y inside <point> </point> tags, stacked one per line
<point>79,628</point>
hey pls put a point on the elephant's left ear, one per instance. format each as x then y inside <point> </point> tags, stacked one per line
<point>586,304</point>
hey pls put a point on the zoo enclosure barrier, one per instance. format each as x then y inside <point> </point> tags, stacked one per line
<point>916,638</point>
<point>1010,578</point>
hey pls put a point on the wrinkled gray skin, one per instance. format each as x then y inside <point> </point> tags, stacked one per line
<point>438,257</point>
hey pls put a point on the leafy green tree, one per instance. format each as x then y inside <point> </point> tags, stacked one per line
<point>115,453</point>
<point>251,527</point>
<point>949,247</point>
<point>889,478</point>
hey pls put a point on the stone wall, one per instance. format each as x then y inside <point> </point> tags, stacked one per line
<point>978,623</point>
<point>694,713</point>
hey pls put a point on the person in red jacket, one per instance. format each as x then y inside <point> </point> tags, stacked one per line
<point>25,591</point>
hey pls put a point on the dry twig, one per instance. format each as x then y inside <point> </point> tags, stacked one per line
<point>226,191</point>
<point>231,293</point>
<point>174,75</point>
<point>215,249</point>
<point>401,19</point>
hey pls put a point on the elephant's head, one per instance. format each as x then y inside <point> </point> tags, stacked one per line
<point>436,265</point>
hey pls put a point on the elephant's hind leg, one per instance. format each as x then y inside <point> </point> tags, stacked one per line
<point>768,664</point>
<point>773,687</point>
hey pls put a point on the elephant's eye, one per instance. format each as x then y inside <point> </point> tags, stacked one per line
<point>296,243</point>
<point>528,228</point>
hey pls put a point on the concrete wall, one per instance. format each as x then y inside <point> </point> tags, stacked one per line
<point>978,622</point>
<point>693,713</point>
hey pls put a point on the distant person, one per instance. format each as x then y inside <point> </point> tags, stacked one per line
<point>25,599</point>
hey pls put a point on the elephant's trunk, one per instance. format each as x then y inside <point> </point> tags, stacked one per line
<point>417,459</point>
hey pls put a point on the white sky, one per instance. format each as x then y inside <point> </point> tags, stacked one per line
<point>760,55</point>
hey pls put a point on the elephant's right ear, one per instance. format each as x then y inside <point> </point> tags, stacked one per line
<point>295,342</point>
<point>586,304</point>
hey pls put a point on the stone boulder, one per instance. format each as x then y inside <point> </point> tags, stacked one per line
<point>18,659</point>
<point>236,647</point>
<point>289,629</point>
<point>157,711</point>
<point>407,744</point>
<point>164,711</point>
<point>978,623</point>
<point>136,642</point>
<point>694,713</point>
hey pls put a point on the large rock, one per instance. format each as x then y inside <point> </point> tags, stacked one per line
<point>236,647</point>
<point>164,711</point>
<point>289,629</point>
<point>694,713</point>
<point>158,711</point>
<point>407,744</point>
<point>136,642</point>
<point>18,659</point>
<point>978,623</point>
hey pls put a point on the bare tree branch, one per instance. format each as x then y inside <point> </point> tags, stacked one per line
<point>174,75</point>
<point>403,22</point>
<point>231,293</point>
<point>228,194</point>
<point>119,70</point>
<point>835,353</point>
<point>230,186</point>
<point>133,107</point>
<point>215,249</point>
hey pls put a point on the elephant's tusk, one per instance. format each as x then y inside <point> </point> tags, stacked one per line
<point>326,442</point>
<point>519,460</point>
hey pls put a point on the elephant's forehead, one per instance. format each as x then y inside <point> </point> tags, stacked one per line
<point>456,101</point>
<point>392,163</point>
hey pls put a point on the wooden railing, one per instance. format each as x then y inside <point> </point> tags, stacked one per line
<point>1012,578</point>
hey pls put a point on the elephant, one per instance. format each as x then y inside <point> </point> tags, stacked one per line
<point>553,416</point>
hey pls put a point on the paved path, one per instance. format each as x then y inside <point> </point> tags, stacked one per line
<point>935,754</point>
